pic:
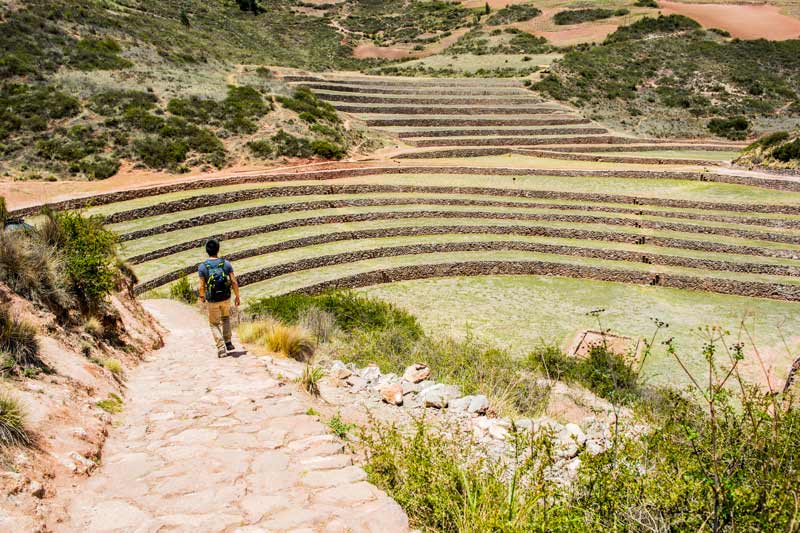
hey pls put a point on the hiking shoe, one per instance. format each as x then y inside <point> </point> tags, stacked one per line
<point>229,346</point>
<point>222,354</point>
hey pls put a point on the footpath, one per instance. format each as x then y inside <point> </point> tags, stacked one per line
<point>207,444</point>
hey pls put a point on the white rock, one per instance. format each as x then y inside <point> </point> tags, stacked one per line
<point>80,433</point>
<point>460,405</point>
<point>439,395</point>
<point>594,447</point>
<point>339,370</point>
<point>497,431</point>
<point>524,424</point>
<point>357,384</point>
<point>572,467</point>
<point>370,373</point>
<point>478,404</point>
<point>409,387</point>
<point>417,372</point>
<point>575,432</point>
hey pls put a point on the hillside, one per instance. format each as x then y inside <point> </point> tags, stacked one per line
<point>779,150</point>
<point>668,77</point>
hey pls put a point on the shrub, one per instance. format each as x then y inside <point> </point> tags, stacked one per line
<point>788,152</point>
<point>12,423</point>
<point>339,427</point>
<point>34,270</point>
<point>351,310</point>
<point>89,252</point>
<point>97,54</point>
<point>99,167</point>
<point>769,140</point>
<point>262,149</point>
<point>321,324</point>
<point>290,146</point>
<point>112,404</point>
<point>26,107</point>
<point>648,26</point>
<point>577,16</point>
<point>182,291</point>
<point>290,341</point>
<point>113,102</point>
<point>734,128</point>
<point>3,212</point>
<point>513,13</point>
<point>18,342</point>
<point>113,366</point>
<point>310,379</point>
<point>94,327</point>
<point>328,150</point>
<point>646,3</point>
<point>310,108</point>
<point>155,153</point>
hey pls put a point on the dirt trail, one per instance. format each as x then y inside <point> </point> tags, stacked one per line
<point>209,444</point>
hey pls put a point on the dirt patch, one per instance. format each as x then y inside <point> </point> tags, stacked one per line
<point>366,51</point>
<point>618,344</point>
<point>742,21</point>
<point>583,33</point>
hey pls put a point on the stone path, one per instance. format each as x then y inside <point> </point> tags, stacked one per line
<point>221,445</point>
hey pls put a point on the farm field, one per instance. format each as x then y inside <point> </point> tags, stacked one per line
<point>496,196</point>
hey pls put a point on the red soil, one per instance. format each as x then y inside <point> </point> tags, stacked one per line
<point>743,21</point>
<point>365,51</point>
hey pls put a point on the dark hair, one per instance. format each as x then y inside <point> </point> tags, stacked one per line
<point>212,247</point>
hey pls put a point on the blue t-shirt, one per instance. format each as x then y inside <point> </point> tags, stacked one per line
<point>203,271</point>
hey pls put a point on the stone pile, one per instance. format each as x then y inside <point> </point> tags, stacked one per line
<point>416,393</point>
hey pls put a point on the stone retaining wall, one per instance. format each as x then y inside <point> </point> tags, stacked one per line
<point>527,230</point>
<point>769,183</point>
<point>649,147</point>
<point>552,154</point>
<point>471,101</point>
<point>595,253</point>
<point>432,122</point>
<point>539,217</point>
<point>541,268</point>
<point>434,110</point>
<point>411,82</point>
<point>467,133</point>
<point>515,141</point>
<point>233,214</point>
<point>499,91</point>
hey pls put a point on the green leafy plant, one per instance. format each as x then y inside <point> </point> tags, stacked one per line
<point>339,427</point>
<point>182,291</point>
<point>734,128</point>
<point>310,379</point>
<point>113,404</point>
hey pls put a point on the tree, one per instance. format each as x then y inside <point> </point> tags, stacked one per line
<point>487,9</point>
<point>185,18</point>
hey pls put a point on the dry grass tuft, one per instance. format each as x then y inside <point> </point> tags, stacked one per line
<point>12,423</point>
<point>94,327</point>
<point>291,341</point>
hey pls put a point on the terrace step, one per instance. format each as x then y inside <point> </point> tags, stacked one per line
<point>444,122</point>
<point>440,110</point>
<point>420,134</point>
<point>449,100</point>
<point>472,91</point>
<point>409,82</point>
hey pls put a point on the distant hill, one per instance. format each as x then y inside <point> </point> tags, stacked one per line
<point>667,76</point>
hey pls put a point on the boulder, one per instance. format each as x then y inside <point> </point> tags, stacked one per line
<point>439,395</point>
<point>392,393</point>
<point>524,424</point>
<point>498,432</point>
<point>417,372</point>
<point>357,384</point>
<point>410,388</point>
<point>460,405</point>
<point>478,404</point>
<point>574,432</point>
<point>339,370</point>
<point>370,373</point>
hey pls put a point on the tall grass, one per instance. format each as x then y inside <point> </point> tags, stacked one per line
<point>288,340</point>
<point>18,343</point>
<point>12,423</point>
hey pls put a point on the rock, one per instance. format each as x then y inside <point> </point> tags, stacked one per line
<point>409,388</point>
<point>482,423</point>
<point>567,451</point>
<point>575,432</point>
<point>593,447</point>
<point>572,467</point>
<point>478,404</point>
<point>498,432</point>
<point>357,384</point>
<point>392,393</point>
<point>439,395</point>
<point>417,372</point>
<point>524,424</point>
<point>387,379</point>
<point>80,433</point>
<point>370,373</point>
<point>339,370</point>
<point>36,489</point>
<point>426,384</point>
<point>460,404</point>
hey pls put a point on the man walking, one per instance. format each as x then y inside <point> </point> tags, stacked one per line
<point>216,281</point>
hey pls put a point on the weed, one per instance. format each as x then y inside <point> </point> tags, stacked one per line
<point>312,412</point>
<point>112,405</point>
<point>339,427</point>
<point>114,366</point>
<point>94,328</point>
<point>255,331</point>
<point>310,379</point>
<point>12,422</point>
<point>321,324</point>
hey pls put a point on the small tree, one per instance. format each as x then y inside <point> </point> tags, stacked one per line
<point>185,18</point>
<point>487,8</point>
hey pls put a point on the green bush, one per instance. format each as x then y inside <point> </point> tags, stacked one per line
<point>99,167</point>
<point>155,153</point>
<point>514,13</point>
<point>646,3</point>
<point>310,108</point>
<point>788,152</point>
<point>31,108</point>
<point>236,112</point>
<point>769,140</point>
<point>12,423</point>
<point>261,148</point>
<point>734,128</point>
<point>327,149</point>
<point>351,310</point>
<point>288,145</point>
<point>578,16</point>
<point>89,252</point>
<point>182,291</point>
<point>96,54</point>
<point>113,102</point>
<point>648,26</point>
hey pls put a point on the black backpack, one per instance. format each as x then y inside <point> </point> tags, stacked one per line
<point>218,283</point>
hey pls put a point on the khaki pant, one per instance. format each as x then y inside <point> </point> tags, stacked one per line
<point>219,318</point>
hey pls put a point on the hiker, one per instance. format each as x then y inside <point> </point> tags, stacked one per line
<point>216,281</point>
